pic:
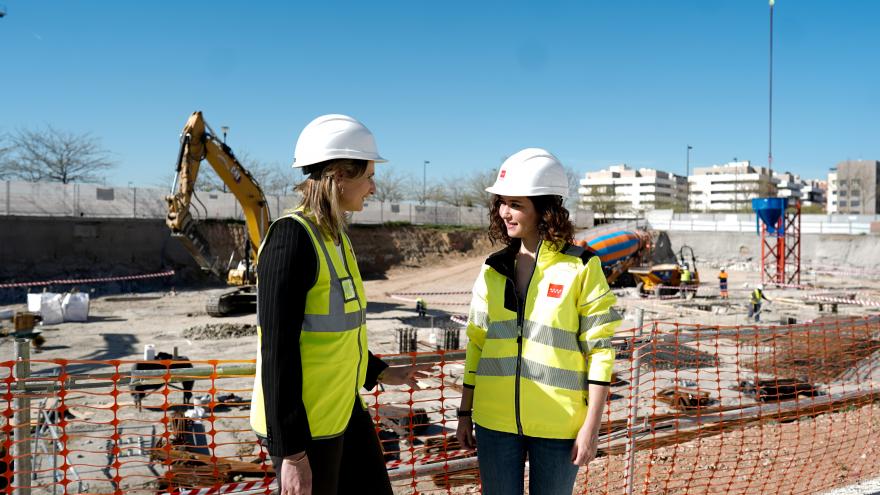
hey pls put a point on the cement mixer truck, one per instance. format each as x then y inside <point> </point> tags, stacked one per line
<point>641,259</point>
<point>619,251</point>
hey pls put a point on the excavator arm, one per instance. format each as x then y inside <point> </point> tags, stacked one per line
<point>198,142</point>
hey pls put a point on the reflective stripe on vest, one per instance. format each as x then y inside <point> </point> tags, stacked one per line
<point>550,336</point>
<point>537,372</point>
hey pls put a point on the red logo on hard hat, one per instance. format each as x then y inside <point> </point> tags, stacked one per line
<point>502,174</point>
<point>555,290</point>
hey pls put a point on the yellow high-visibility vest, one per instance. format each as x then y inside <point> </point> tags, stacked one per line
<point>757,295</point>
<point>531,361</point>
<point>333,342</point>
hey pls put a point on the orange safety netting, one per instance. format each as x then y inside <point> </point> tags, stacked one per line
<point>693,409</point>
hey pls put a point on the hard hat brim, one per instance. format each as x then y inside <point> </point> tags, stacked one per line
<point>530,191</point>
<point>336,155</point>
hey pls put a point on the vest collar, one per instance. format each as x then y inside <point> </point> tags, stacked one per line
<point>503,261</point>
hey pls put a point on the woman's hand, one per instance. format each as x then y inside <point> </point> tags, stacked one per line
<point>465,433</point>
<point>296,475</point>
<point>405,375</point>
<point>585,446</point>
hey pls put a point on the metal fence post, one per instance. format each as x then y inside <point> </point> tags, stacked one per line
<point>21,448</point>
<point>631,418</point>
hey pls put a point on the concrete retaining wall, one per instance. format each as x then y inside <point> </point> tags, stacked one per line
<point>45,248</point>
<point>850,251</point>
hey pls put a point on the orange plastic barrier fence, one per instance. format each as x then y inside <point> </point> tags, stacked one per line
<point>694,409</point>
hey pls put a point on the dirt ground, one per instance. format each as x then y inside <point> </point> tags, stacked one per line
<point>119,327</point>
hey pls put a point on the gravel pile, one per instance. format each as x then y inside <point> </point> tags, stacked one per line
<point>219,331</point>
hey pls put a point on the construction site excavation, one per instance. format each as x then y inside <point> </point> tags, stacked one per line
<point>144,385</point>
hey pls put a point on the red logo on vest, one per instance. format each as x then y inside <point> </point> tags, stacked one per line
<point>555,290</point>
<point>502,174</point>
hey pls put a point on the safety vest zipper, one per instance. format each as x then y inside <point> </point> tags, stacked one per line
<point>520,320</point>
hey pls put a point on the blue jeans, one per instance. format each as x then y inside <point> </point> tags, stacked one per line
<point>502,458</point>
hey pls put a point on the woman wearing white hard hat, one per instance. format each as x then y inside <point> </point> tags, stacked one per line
<point>539,359</point>
<point>311,311</point>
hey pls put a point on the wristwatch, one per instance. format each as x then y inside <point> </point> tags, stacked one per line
<point>463,413</point>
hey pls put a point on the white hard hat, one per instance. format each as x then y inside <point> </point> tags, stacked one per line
<point>760,286</point>
<point>334,136</point>
<point>531,172</point>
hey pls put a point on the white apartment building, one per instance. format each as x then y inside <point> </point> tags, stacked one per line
<point>789,185</point>
<point>831,196</point>
<point>729,187</point>
<point>813,193</point>
<point>621,191</point>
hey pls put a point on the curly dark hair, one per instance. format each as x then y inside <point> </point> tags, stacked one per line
<point>554,224</point>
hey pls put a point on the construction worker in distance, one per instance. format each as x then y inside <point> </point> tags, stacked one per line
<point>685,281</point>
<point>539,359</point>
<point>757,298</point>
<point>312,339</point>
<point>722,282</point>
<point>421,307</point>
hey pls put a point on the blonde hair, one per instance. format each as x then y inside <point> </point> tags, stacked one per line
<point>320,193</point>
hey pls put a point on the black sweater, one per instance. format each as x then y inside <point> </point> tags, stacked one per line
<point>288,268</point>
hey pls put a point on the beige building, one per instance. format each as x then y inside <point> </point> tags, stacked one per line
<point>852,188</point>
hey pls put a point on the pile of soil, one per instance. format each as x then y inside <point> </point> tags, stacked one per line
<point>219,331</point>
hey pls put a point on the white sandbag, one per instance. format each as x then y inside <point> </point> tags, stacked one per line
<point>50,308</point>
<point>33,301</point>
<point>75,306</point>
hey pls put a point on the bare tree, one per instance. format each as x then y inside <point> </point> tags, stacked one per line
<point>272,178</point>
<point>602,200</point>
<point>415,189</point>
<point>574,182</point>
<point>56,156</point>
<point>452,191</point>
<point>474,193</point>
<point>390,185</point>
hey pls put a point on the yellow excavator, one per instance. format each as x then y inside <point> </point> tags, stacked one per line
<point>199,142</point>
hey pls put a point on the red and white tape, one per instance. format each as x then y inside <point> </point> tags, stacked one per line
<point>436,293</point>
<point>692,288</point>
<point>428,459</point>
<point>841,300</point>
<point>248,486</point>
<point>863,273</point>
<point>793,286</point>
<point>399,297</point>
<point>460,319</point>
<point>87,280</point>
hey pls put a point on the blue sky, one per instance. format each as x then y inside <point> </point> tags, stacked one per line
<point>459,83</point>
